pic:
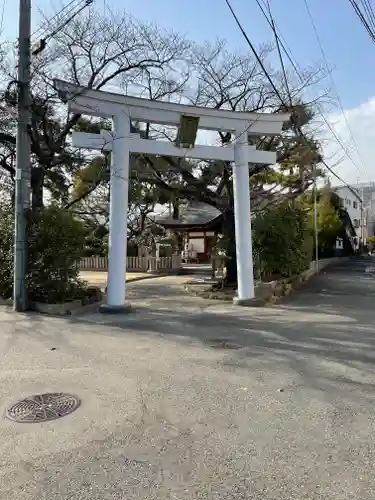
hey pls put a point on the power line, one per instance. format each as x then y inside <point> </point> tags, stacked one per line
<point>280,56</point>
<point>254,51</point>
<point>298,129</point>
<point>296,67</point>
<point>282,42</point>
<point>2,16</point>
<point>38,33</point>
<point>370,13</point>
<point>85,4</point>
<point>362,18</point>
<point>40,45</point>
<point>334,85</point>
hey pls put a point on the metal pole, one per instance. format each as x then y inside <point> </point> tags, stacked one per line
<point>23,160</point>
<point>316,232</point>
<point>362,224</point>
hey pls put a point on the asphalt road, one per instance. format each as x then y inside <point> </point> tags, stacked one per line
<point>166,414</point>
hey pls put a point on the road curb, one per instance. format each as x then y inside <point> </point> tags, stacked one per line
<point>151,276</point>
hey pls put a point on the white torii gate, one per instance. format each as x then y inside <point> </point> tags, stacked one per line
<point>122,109</point>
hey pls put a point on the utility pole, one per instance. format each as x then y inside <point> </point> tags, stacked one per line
<point>23,158</point>
<point>362,246</point>
<point>316,228</point>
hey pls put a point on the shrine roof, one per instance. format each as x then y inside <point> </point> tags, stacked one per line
<point>193,214</point>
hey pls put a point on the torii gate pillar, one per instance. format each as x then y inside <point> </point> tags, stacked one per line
<point>242,219</point>
<point>118,216</point>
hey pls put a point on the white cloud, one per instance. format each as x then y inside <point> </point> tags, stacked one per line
<point>361,121</point>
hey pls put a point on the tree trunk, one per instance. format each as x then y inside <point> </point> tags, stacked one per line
<point>176,210</point>
<point>230,239</point>
<point>142,222</point>
<point>37,182</point>
<point>13,197</point>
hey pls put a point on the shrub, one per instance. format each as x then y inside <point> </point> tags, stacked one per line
<point>371,242</point>
<point>6,251</point>
<point>282,241</point>
<point>56,242</point>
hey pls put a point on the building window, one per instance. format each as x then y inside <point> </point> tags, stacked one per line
<point>339,244</point>
<point>355,204</point>
<point>356,223</point>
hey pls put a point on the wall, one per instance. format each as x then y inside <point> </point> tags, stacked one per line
<point>367,189</point>
<point>352,205</point>
<point>370,214</point>
<point>197,240</point>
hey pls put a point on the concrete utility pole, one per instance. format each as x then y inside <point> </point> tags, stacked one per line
<point>362,246</point>
<point>23,158</point>
<point>316,228</point>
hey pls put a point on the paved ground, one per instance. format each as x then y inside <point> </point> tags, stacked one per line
<point>99,278</point>
<point>291,415</point>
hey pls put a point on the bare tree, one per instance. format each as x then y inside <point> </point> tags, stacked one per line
<point>223,80</point>
<point>119,52</point>
<point>95,51</point>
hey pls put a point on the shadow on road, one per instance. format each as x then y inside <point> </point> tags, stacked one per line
<point>324,332</point>
<point>289,414</point>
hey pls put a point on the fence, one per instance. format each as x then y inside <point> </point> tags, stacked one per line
<point>133,264</point>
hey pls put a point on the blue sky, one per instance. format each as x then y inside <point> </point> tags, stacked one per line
<point>348,48</point>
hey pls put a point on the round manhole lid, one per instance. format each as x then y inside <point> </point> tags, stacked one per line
<point>43,407</point>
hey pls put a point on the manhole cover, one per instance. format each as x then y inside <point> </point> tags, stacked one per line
<point>43,407</point>
<point>223,344</point>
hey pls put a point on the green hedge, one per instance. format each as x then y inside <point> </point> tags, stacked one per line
<point>56,242</point>
<point>282,241</point>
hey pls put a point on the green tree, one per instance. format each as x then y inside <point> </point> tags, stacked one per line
<point>282,240</point>
<point>237,82</point>
<point>6,250</point>
<point>329,217</point>
<point>96,51</point>
<point>329,222</point>
<point>371,242</point>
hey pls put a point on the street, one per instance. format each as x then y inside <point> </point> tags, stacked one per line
<point>286,411</point>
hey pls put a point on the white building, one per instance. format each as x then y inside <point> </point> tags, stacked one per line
<point>366,190</point>
<point>352,203</point>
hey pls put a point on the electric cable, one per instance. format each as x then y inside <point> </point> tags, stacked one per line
<point>38,33</point>
<point>298,129</point>
<point>362,18</point>
<point>334,85</point>
<point>298,72</point>
<point>2,16</point>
